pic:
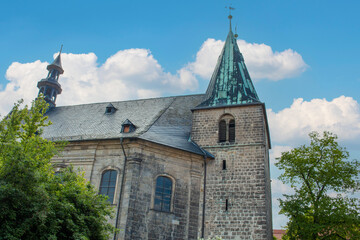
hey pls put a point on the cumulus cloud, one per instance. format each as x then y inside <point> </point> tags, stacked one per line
<point>276,151</point>
<point>135,73</point>
<point>128,74</point>
<point>21,83</point>
<point>277,187</point>
<point>279,220</point>
<point>261,61</point>
<point>340,116</point>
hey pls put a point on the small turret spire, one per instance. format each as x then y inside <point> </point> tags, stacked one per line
<point>50,86</point>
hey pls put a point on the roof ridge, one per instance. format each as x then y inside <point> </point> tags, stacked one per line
<point>158,117</point>
<point>130,100</point>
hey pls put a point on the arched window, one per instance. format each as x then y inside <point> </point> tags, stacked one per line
<point>232,130</point>
<point>222,131</point>
<point>163,192</point>
<point>108,183</point>
<point>227,129</point>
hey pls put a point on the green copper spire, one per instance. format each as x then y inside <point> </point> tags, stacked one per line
<point>230,83</point>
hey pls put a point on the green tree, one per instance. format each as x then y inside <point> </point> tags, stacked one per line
<point>35,203</point>
<point>323,180</point>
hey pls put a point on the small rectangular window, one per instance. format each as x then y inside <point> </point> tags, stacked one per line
<point>126,128</point>
<point>224,165</point>
<point>226,205</point>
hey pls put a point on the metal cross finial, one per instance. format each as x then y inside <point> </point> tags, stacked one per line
<point>61,48</point>
<point>230,8</point>
<point>230,16</point>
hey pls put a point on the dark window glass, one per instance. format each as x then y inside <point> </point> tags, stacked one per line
<point>222,131</point>
<point>232,131</point>
<point>108,110</point>
<point>224,164</point>
<point>108,183</point>
<point>48,91</point>
<point>163,192</point>
<point>53,73</point>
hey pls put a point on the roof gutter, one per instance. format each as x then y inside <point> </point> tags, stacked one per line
<point>121,189</point>
<point>204,199</point>
<point>204,195</point>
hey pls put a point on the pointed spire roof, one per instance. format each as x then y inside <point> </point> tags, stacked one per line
<point>56,64</point>
<point>230,83</point>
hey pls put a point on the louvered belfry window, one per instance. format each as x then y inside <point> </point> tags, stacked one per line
<point>222,131</point>
<point>232,131</point>
<point>227,129</point>
<point>163,192</point>
<point>108,183</point>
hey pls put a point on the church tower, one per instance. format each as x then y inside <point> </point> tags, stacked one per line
<point>231,124</point>
<point>50,86</point>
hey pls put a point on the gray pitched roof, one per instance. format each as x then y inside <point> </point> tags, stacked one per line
<point>165,121</point>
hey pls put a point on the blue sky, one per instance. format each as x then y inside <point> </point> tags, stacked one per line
<point>314,50</point>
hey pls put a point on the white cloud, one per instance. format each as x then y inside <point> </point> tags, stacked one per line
<point>128,74</point>
<point>276,151</point>
<point>340,116</point>
<point>261,61</point>
<point>277,187</point>
<point>279,220</point>
<point>21,84</point>
<point>135,73</point>
<point>335,194</point>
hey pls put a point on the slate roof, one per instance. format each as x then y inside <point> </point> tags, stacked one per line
<point>165,121</point>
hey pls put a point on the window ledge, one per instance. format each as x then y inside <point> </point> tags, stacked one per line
<point>155,210</point>
<point>226,143</point>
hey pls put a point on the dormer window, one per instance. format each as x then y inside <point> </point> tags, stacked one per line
<point>110,109</point>
<point>127,127</point>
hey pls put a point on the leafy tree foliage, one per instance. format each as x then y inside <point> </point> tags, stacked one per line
<point>323,180</point>
<point>35,203</point>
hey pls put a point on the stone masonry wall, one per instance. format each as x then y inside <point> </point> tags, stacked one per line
<point>145,161</point>
<point>243,187</point>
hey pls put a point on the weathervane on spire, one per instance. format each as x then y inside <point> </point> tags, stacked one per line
<point>230,16</point>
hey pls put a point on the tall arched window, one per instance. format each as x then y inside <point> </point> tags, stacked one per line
<point>108,183</point>
<point>222,131</point>
<point>163,192</point>
<point>227,129</point>
<point>232,130</point>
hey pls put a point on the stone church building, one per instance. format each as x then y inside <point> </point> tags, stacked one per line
<point>174,167</point>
